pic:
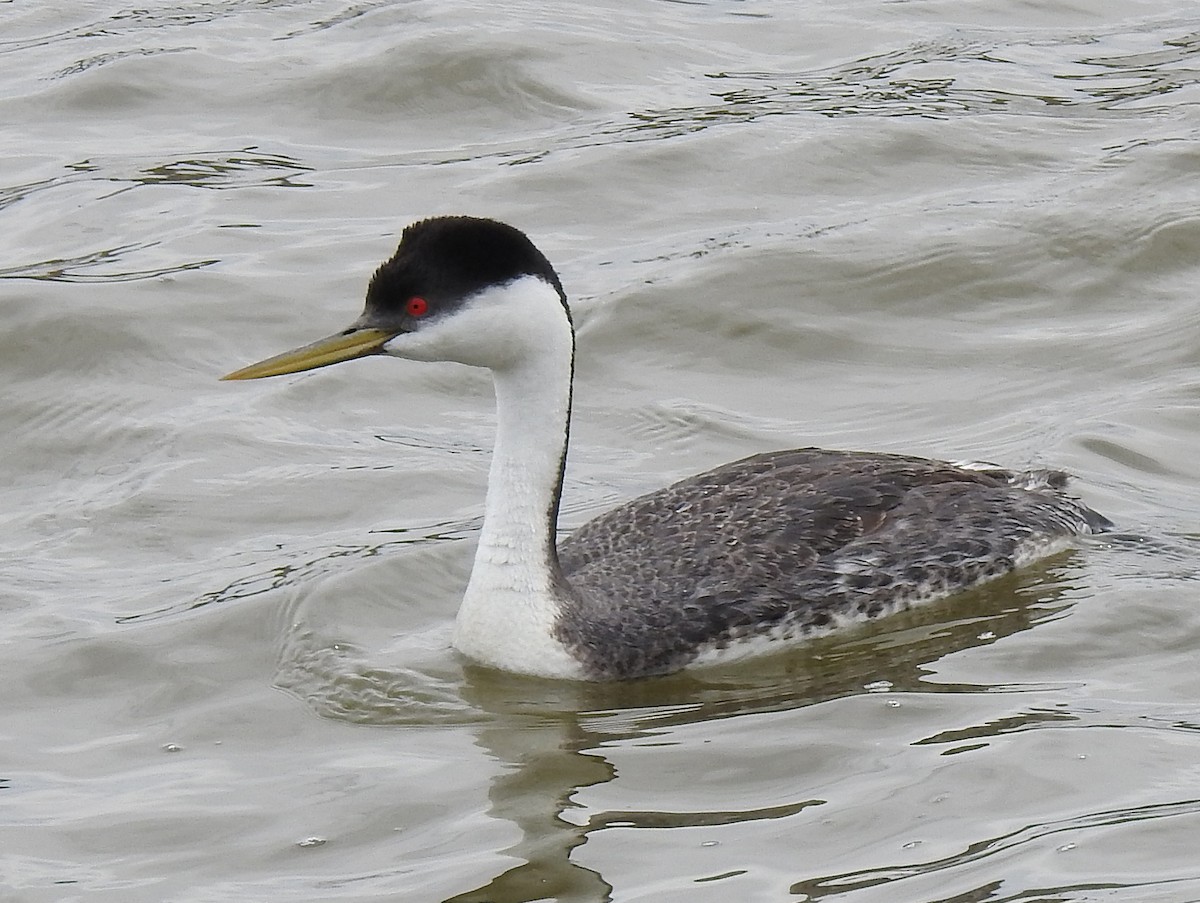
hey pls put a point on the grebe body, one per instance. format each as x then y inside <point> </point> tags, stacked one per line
<point>774,548</point>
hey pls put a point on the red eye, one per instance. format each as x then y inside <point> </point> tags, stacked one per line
<point>416,306</point>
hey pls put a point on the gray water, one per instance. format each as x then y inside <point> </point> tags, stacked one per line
<point>966,230</point>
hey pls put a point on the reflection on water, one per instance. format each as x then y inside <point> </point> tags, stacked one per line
<point>551,736</point>
<point>547,760</point>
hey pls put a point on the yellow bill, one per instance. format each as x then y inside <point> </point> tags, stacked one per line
<point>344,346</point>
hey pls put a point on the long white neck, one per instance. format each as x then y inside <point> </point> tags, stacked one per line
<point>510,606</point>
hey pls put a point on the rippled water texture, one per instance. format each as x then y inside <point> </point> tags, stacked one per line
<point>967,230</point>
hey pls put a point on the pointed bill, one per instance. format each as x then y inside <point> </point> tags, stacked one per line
<point>334,349</point>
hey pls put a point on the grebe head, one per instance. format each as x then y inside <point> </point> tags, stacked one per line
<point>459,288</point>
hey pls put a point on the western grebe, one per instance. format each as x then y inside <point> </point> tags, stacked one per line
<point>779,546</point>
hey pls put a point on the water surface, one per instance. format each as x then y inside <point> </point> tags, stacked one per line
<point>966,231</point>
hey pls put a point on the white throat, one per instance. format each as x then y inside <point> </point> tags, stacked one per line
<point>510,606</point>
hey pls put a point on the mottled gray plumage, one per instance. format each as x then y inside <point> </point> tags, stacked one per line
<point>790,542</point>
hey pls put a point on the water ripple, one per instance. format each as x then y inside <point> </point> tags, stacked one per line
<point>245,168</point>
<point>293,572</point>
<point>931,79</point>
<point>136,20</point>
<point>921,80</point>
<point>238,169</point>
<point>819,888</point>
<point>72,269</point>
